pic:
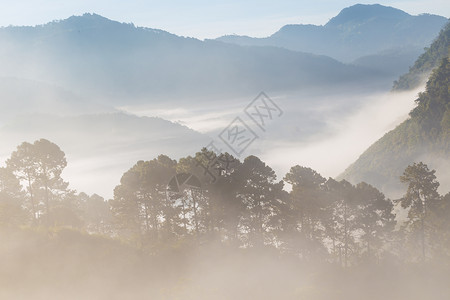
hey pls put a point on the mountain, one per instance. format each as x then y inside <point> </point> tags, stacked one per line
<point>119,63</point>
<point>429,60</point>
<point>66,80</point>
<point>391,62</point>
<point>425,137</point>
<point>21,96</point>
<point>357,31</point>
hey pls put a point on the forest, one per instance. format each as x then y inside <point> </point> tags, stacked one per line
<point>212,197</point>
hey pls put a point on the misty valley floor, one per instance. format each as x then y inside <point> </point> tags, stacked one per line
<point>66,264</point>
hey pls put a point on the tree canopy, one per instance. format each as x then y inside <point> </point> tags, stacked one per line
<point>162,202</point>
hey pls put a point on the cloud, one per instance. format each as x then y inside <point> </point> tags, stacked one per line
<point>350,137</point>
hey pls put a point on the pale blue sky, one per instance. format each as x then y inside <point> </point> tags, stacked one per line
<point>201,18</point>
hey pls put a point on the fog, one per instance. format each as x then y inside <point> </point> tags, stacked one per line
<point>102,141</point>
<point>135,213</point>
<point>100,148</point>
<point>348,136</point>
<point>324,130</point>
<point>313,122</point>
<point>65,264</point>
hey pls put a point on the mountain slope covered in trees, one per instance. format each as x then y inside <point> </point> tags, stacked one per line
<point>425,136</point>
<point>429,60</point>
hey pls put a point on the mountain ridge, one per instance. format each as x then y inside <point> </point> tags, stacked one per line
<point>120,62</point>
<point>362,12</point>
<point>352,34</point>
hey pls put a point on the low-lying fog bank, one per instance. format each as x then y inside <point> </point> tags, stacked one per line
<point>66,264</point>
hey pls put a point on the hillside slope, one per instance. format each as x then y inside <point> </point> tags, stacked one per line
<point>425,137</point>
<point>429,60</point>
<point>120,63</point>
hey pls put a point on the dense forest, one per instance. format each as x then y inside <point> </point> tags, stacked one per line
<point>215,206</point>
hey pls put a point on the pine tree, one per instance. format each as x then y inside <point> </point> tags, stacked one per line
<point>421,196</point>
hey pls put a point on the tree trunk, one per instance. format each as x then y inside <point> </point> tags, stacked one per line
<point>194,203</point>
<point>47,205</point>
<point>423,239</point>
<point>147,226</point>
<point>184,214</point>
<point>33,205</point>
<point>345,236</point>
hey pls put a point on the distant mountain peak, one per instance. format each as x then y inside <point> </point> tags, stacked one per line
<point>89,16</point>
<point>368,32</point>
<point>89,21</point>
<point>86,20</point>
<point>361,12</point>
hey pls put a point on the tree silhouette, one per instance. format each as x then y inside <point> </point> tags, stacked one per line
<point>11,200</point>
<point>261,195</point>
<point>40,165</point>
<point>375,217</point>
<point>421,196</point>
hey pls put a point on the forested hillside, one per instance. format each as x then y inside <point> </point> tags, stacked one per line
<point>429,60</point>
<point>425,136</point>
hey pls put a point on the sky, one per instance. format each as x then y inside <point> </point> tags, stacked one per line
<point>201,18</point>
